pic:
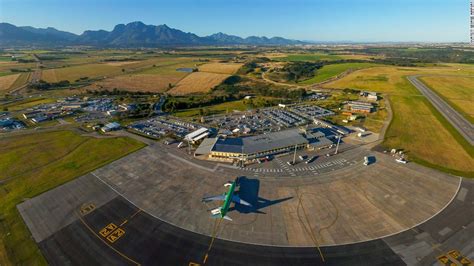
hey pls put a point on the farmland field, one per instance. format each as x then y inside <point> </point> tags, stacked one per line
<point>38,162</point>
<point>222,68</point>
<point>198,82</point>
<point>307,57</point>
<point>457,91</point>
<point>75,72</point>
<point>7,81</point>
<point>137,82</point>
<point>330,71</point>
<point>416,126</point>
<point>222,108</point>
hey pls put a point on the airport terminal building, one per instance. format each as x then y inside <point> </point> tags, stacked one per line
<point>250,148</point>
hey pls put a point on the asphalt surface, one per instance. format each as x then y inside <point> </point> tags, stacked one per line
<point>148,241</point>
<point>465,128</point>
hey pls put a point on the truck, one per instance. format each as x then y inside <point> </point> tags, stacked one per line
<point>366,161</point>
<point>401,160</point>
<point>310,160</point>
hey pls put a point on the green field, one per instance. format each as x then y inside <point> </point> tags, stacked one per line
<point>228,107</point>
<point>75,72</point>
<point>27,103</point>
<point>457,91</point>
<point>330,71</point>
<point>417,127</point>
<point>32,164</point>
<point>308,57</point>
<point>222,108</point>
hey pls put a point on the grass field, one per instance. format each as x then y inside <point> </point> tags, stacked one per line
<point>457,91</point>
<point>307,57</point>
<point>198,82</point>
<point>39,162</point>
<point>222,108</point>
<point>20,81</point>
<point>138,82</point>
<point>330,71</point>
<point>27,103</point>
<point>417,127</point>
<point>7,81</point>
<point>220,68</point>
<point>75,72</point>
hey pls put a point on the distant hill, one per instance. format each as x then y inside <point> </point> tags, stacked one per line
<point>134,34</point>
<point>13,35</point>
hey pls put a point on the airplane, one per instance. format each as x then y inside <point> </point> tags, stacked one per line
<point>228,197</point>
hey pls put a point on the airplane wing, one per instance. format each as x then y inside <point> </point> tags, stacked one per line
<point>238,200</point>
<point>214,198</point>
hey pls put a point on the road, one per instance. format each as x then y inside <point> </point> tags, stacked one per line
<point>462,125</point>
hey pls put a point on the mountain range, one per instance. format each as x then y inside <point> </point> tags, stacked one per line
<point>134,34</point>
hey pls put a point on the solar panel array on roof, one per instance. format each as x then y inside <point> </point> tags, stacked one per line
<point>231,145</point>
<point>260,143</point>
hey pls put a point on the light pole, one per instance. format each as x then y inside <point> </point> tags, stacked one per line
<point>338,141</point>
<point>294,155</point>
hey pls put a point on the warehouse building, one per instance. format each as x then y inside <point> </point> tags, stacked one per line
<point>360,107</point>
<point>249,148</point>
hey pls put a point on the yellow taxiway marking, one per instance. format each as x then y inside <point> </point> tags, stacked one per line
<point>86,208</point>
<point>309,230</point>
<point>105,242</point>
<point>107,229</point>
<point>454,258</point>
<point>115,235</point>
<point>217,224</point>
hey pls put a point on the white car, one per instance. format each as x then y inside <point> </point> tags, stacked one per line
<point>401,160</point>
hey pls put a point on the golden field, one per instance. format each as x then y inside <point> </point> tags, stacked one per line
<point>221,68</point>
<point>7,81</point>
<point>198,82</point>
<point>137,82</point>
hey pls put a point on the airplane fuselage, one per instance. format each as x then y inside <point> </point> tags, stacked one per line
<point>228,199</point>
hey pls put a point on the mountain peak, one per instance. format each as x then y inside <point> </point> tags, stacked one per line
<point>136,23</point>
<point>133,34</point>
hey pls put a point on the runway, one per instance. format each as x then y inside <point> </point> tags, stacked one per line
<point>462,125</point>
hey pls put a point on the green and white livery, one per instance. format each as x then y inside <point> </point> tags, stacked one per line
<point>228,197</point>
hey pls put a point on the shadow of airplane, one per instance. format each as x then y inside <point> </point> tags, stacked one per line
<point>248,191</point>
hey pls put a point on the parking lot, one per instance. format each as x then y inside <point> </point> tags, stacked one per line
<point>309,163</point>
<point>158,127</point>
<point>266,119</point>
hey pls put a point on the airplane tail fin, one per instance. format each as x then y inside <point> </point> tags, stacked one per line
<point>238,200</point>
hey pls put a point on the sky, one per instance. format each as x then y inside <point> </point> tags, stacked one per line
<point>315,20</point>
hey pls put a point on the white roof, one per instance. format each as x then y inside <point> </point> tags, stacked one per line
<point>196,133</point>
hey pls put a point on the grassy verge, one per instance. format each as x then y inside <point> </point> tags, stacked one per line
<point>35,163</point>
<point>459,96</point>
